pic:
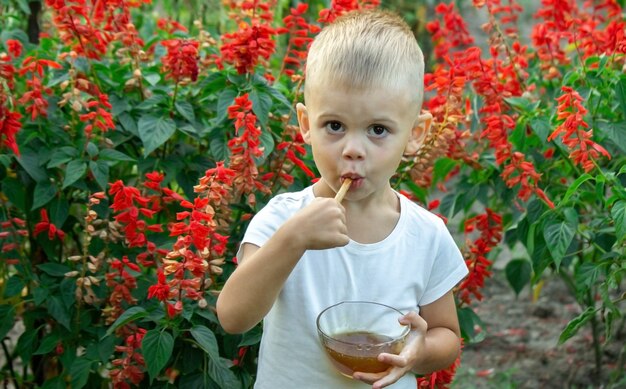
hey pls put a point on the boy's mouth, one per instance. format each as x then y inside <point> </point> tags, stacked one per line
<point>356,180</point>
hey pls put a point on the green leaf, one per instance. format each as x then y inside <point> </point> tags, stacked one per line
<point>92,149</point>
<point>267,142</point>
<point>44,192</point>
<point>74,171</point>
<point>261,105</point>
<point>62,156</point>
<point>128,123</point>
<point>157,346</point>
<point>541,127</point>
<point>30,162</point>
<point>520,103</point>
<point>222,375</point>
<point>618,213</point>
<point>442,167</point>
<point>468,321</point>
<point>14,286</point>
<point>48,343</point>
<point>518,274</point>
<point>616,132</point>
<point>155,131</point>
<point>23,4</point>
<point>80,372</point>
<point>277,95</point>
<point>54,269</point>
<point>225,100</point>
<point>7,313</point>
<point>558,236</point>
<point>58,211</point>
<point>115,156</point>
<point>573,188</point>
<point>55,383</point>
<point>207,341</point>
<point>151,103</point>
<point>448,205</point>
<point>131,314</point>
<point>251,338</point>
<point>219,149</point>
<point>57,310</point>
<point>15,192</point>
<point>576,324</point>
<point>100,171</point>
<point>152,78</point>
<point>586,275</point>
<point>118,104</point>
<point>40,295</point>
<point>620,93</point>
<point>185,109</point>
<point>26,344</point>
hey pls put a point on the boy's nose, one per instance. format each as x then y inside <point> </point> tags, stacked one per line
<point>353,148</point>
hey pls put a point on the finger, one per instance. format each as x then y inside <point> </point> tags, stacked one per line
<point>369,378</point>
<point>414,320</point>
<point>394,359</point>
<point>393,376</point>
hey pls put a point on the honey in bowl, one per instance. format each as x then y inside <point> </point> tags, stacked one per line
<point>354,333</point>
<point>364,357</point>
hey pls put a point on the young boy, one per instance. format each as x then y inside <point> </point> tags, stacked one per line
<point>306,251</point>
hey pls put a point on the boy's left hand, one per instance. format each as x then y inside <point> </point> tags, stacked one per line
<point>403,362</point>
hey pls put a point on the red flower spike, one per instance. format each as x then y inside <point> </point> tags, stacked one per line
<point>45,225</point>
<point>573,133</point>
<point>181,60</point>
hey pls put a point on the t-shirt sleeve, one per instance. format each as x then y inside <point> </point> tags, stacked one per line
<point>264,224</point>
<point>447,270</point>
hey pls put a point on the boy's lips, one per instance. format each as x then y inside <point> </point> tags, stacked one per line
<point>356,180</point>
<point>351,176</point>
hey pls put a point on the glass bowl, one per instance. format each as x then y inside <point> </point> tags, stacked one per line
<point>353,333</point>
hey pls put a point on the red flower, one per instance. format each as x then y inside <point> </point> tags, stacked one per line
<point>170,26</point>
<point>161,290</point>
<point>452,34</point>
<point>246,47</point>
<point>14,47</point>
<point>440,379</point>
<point>300,36</point>
<point>245,148</point>
<point>10,125</point>
<point>181,60</point>
<point>129,366</point>
<point>572,130</point>
<point>489,226</point>
<point>45,225</point>
<point>339,7</point>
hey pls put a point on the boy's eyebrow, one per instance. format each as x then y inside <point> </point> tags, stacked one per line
<point>338,116</point>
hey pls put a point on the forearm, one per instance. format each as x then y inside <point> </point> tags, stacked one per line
<point>252,289</point>
<point>441,348</point>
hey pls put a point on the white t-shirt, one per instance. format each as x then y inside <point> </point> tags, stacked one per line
<point>416,264</point>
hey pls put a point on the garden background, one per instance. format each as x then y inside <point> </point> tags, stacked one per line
<point>138,138</point>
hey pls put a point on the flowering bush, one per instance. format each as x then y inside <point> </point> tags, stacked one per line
<point>133,153</point>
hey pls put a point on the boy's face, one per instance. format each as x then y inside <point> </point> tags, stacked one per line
<point>359,134</point>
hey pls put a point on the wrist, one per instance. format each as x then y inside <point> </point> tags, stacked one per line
<point>290,240</point>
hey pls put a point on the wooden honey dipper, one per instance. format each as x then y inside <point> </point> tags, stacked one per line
<point>343,190</point>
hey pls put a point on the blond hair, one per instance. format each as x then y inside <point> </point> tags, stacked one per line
<point>365,49</point>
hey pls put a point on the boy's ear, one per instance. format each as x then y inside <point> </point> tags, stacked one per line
<point>303,121</point>
<point>418,133</point>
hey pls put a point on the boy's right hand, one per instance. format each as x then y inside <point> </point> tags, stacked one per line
<point>321,225</point>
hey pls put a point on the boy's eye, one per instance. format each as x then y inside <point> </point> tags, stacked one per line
<point>378,131</point>
<point>334,127</point>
